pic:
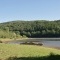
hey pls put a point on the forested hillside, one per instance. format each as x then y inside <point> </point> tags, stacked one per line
<point>32,29</point>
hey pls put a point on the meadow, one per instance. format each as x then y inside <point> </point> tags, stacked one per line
<point>25,52</point>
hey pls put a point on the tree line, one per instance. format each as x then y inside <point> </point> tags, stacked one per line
<point>32,29</point>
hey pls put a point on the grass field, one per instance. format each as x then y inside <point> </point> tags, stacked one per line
<point>16,50</point>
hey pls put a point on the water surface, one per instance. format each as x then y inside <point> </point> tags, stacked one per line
<point>49,42</point>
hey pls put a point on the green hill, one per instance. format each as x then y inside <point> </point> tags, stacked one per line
<point>37,28</point>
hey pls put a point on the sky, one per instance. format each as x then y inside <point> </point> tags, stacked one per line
<point>29,10</point>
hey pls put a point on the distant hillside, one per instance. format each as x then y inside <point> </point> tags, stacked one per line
<point>36,28</point>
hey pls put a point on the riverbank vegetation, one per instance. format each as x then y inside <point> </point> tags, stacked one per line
<point>30,29</point>
<point>6,35</point>
<point>25,52</point>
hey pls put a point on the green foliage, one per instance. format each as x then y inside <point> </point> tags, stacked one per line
<point>24,36</point>
<point>33,28</point>
<point>8,34</point>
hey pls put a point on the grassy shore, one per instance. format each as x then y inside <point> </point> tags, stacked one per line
<point>7,39</point>
<point>16,50</point>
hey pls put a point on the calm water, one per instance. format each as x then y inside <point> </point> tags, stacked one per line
<point>49,42</point>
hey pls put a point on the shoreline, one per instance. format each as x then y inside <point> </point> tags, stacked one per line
<point>8,40</point>
<point>41,39</point>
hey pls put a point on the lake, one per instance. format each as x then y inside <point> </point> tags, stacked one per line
<point>48,42</point>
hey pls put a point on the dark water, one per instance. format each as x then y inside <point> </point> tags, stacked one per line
<point>49,42</point>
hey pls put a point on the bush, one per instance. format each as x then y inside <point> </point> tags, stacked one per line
<point>0,41</point>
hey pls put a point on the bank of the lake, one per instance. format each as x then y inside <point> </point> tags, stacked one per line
<point>46,42</point>
<point>16,50</point>
<point>13,39</point>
